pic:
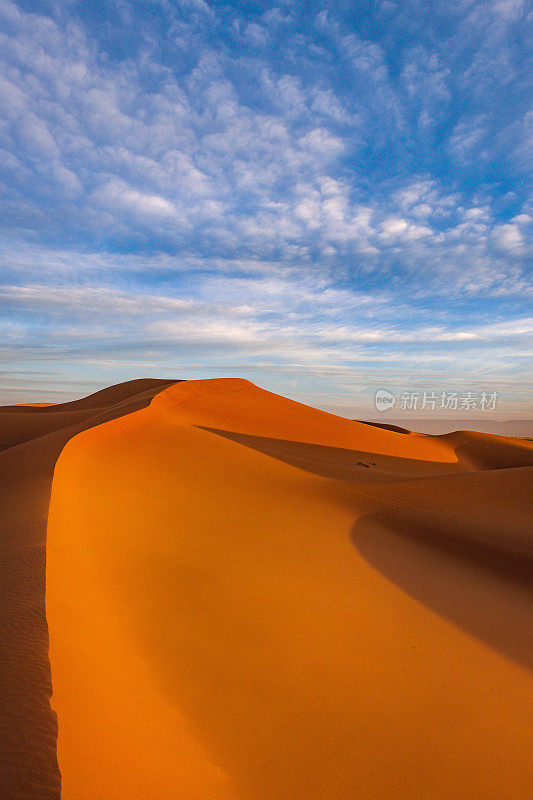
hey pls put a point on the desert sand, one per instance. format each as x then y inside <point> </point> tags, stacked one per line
<point>251,599</point>
<point>31,439</point>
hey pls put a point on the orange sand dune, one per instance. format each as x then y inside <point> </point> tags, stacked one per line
<point>31,440</point>
<point>251,599</point>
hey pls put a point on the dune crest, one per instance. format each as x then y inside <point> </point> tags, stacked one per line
<point>241,407</point>
<point>31,439</point>
<point>251,599</point>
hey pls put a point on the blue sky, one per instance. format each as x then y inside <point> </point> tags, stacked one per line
<point>326,198</point>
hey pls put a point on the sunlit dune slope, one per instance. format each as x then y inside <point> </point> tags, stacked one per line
<point>239,608</point>
<point>31,439</point>
<point>241,407</point>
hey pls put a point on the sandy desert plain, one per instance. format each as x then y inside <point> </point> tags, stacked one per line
<point>251,599</point>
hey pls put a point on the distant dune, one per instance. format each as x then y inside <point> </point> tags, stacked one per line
<point>436,426</point>
<point>251,599</point>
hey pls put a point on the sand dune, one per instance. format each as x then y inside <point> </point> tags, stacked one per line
<point>19,424</point>
<point>487,451</point>
<point>251,599</point>
<point>31,439</point>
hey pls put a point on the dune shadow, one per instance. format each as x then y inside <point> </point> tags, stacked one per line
<point>336,462</point>
<point>484,591</point>
<point>384,426</point>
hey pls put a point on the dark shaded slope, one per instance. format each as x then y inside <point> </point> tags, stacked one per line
<point>488,451</point>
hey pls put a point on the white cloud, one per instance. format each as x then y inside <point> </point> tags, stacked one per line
<point>466,140</point>
<point>256,34</point>
<point>117,194</point>
<point>509,238</point>
<point>397,228</point>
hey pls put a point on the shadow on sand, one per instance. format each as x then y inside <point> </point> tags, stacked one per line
<point>482,590</point>
<point>338,462</point>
